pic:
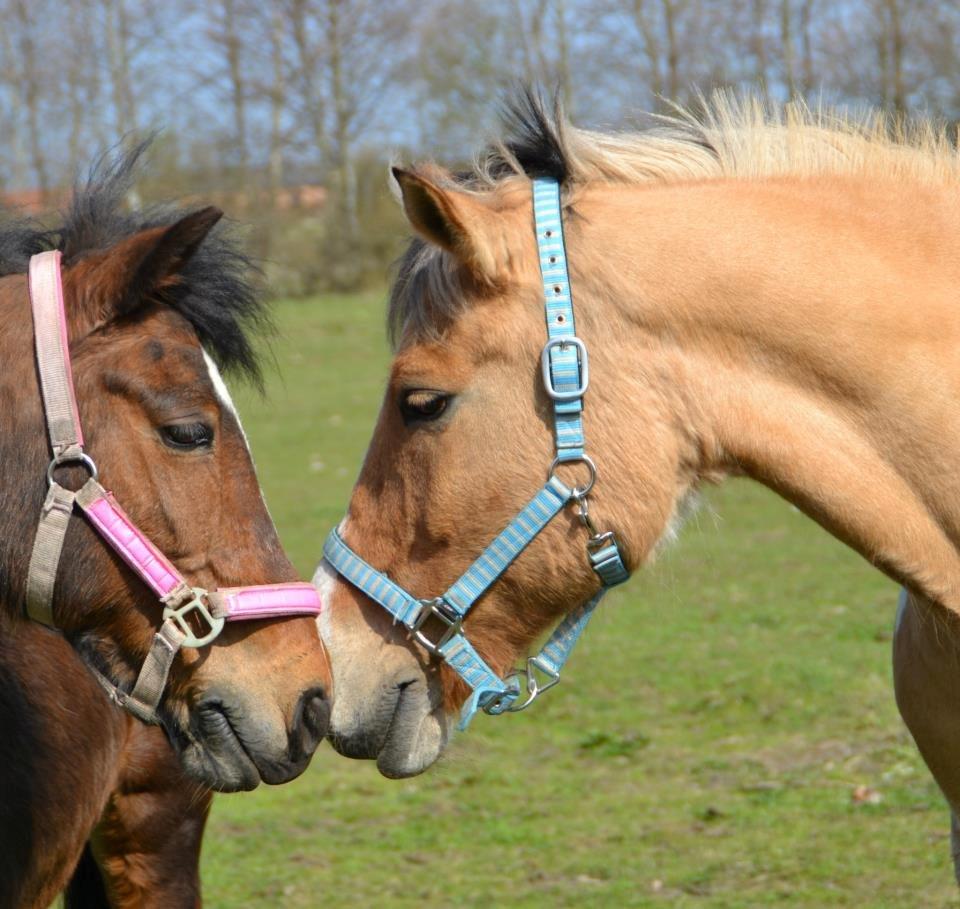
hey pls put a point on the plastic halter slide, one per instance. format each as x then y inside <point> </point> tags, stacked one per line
<point>566,377</point>
<point>185,608</point>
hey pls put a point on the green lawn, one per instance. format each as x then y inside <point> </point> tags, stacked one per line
<point>703,750</point>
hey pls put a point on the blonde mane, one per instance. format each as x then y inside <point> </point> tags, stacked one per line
<point>735,135</point>
<point>732,136</point>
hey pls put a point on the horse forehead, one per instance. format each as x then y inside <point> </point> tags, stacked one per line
<point>421,362</point>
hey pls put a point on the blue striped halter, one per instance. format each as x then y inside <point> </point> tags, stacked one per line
<point>566,375</point>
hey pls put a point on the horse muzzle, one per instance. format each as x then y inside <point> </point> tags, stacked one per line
<point>402,730</point>
<point>230,746</point>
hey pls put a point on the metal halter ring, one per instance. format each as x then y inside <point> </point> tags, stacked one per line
<point>578,492</point>
<point>78,457</point>
<point>533,684</point>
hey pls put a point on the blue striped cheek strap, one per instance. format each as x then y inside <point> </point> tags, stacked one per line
<point>566,376</point>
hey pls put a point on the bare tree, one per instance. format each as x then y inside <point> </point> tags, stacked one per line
<point>894,23</point>
<point>226,20</point>
<point>278,90</point>
<point>120,72</point>
<point>29,90</point>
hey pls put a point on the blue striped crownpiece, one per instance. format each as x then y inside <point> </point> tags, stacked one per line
<point>564,361</point>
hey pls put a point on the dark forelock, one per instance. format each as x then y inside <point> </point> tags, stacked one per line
<point>218,290</point>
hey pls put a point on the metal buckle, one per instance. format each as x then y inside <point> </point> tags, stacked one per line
<point>435,608</point>
<point>582,359</point>
<point>196,604</point>
<point>75,457</point>
<point>533,684</point>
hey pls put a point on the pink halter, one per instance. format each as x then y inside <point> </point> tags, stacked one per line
<point>180,600</point>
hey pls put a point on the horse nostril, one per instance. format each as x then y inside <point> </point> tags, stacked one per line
<point>313,720</point>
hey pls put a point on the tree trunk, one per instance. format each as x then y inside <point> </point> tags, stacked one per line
<point>806,14</point>
<point>786,39</point>
<point>313,106</point>
<point>899,95</point>
<point>563,56</point>
<point>277,94</point>
<point>30,94</point>
<point>760,48</point>
<point>651,48</point>
<point>342,116</point>
<point>673,52</point>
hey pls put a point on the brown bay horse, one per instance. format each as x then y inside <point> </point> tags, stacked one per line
<point>152,301</point>
<point>768,293</point>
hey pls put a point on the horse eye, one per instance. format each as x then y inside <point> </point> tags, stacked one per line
<point>422,405</point>
<point>187,436</point>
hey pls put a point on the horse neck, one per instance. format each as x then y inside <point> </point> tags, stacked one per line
<point>813,327</point>
<point>23,444</point>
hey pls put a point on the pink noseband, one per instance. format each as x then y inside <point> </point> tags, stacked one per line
<point>184,606</point>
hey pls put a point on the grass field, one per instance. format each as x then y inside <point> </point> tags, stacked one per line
<point>704,749</point>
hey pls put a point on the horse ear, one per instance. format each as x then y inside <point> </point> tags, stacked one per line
<point>449,218</point>
<point>137,269</point>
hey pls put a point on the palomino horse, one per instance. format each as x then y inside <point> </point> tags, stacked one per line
<point>136,302</point>
<point>769,294</point>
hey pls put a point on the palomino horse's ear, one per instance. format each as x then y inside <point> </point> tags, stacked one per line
<point>137,269</point>
<point>450,218</point>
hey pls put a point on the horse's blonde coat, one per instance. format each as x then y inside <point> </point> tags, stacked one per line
<point>769,292</point>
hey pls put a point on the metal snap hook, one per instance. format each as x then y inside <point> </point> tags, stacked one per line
<point>528,679</point>
<point>582,504</point>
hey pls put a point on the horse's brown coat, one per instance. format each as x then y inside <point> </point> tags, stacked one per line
<point>238,711</point>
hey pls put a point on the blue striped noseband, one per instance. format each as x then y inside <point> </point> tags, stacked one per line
<point>566,375</point>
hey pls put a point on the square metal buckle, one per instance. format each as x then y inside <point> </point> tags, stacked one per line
<point>439,609</point>
<point>196,605</point>
<point>582,360</point>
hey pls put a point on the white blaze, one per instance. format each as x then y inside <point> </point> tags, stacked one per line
<point>223,393</point>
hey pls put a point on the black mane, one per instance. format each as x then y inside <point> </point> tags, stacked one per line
<point>533,133</point>
<point>216,294</point>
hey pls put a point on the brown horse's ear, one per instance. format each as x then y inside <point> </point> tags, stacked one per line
<point>452,219</point>
<point>136,270</point>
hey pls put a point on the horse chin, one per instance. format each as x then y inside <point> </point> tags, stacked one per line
<point>405,733</point>
<point>230,747</point>
<point>213,753</point>
<point>413,743</point>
